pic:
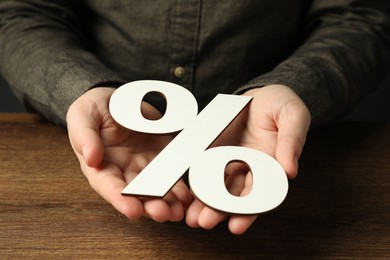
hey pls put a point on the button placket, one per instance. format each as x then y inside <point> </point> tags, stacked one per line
<point>184,26</point>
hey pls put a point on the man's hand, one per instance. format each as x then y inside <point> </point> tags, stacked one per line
<point>111,156</point>
<point>276,122</point>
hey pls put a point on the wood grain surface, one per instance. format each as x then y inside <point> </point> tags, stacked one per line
<point>337,208</point>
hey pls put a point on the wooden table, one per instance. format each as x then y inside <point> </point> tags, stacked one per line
<point>338,207</point>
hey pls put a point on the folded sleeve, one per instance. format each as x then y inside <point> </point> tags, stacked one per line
<point>44,55</point>
<point>343,57</point>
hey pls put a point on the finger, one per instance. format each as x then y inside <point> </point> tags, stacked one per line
<point>83,130</point>
<point>179,199</point>
<point>169,208</point>
<point>199,215</point>
<point>108,182</point>
<point>236,175</point>
<point>157,209</point>
<point>193,212</point>
<point>238,224</point>
<point>176,207</point>
<point>182,193</point>
<point>209,218</point>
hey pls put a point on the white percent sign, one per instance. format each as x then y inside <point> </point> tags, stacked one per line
<point>189,149</point>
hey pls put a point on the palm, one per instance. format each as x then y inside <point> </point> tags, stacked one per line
<point>127,149</point>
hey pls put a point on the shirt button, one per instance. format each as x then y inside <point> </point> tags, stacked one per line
<point>179,72</point>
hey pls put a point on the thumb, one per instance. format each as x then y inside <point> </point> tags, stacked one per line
<point>83,121</point>
<point>292,131</point>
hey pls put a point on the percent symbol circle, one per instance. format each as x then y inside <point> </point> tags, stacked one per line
<point>125,106</point>
<point>268,180</point>
<point>188,149</point>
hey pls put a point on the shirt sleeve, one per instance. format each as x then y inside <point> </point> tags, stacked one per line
<point>44,55</point>
<point>344,56</point>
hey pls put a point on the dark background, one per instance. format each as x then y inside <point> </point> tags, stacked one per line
<point>376,107</point>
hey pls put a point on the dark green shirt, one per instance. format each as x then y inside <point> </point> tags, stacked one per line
<point>330,52</point>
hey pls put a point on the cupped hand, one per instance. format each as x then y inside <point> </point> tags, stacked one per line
<point>275,122</point>
<point>111,156</point>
